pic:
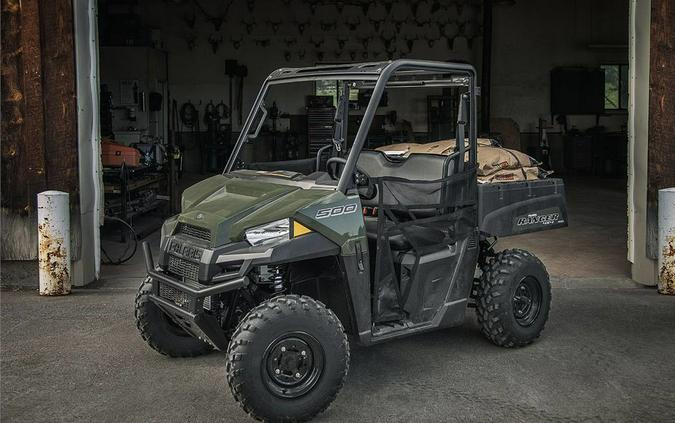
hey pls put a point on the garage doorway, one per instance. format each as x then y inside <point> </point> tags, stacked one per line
<point>180,77</point>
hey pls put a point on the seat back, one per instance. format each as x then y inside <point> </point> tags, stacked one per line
<point>416,167</point>
<point>408,172</point>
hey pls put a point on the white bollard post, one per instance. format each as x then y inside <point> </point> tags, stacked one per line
<point>54,242</point>
<point>667,241</point>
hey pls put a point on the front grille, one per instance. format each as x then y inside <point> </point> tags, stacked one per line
<point>183,268</point>
<point>180,298</point>
<point>183,299</point>
<point>194,231</point>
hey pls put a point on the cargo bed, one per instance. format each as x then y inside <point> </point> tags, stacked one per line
<point>514,208</point>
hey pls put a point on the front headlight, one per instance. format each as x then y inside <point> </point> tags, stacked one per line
<point>269,233</point>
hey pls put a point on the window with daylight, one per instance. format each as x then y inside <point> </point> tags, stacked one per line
<point>331,88</point>
<point>616,87</point>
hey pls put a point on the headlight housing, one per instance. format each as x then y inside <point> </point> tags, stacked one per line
<point>269,233</point>
<point>168,226</point>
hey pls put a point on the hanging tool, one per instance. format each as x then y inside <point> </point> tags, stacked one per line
<point>189,118</point>
<point>224,129</point>
<point>210,117</point>
<point>175,147</point>
<point>222,111</point>
<point>544,147</point>
<point>242,72</point>
<point>231,66</point>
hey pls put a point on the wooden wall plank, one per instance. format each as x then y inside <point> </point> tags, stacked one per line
<point>33,152</point>
<point>661,144</point>
<point>60,105</point>
<point>13,112</point>
<point>39,118</point>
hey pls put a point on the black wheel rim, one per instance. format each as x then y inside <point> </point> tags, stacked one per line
<point>292,364</point>
<point>527,301</point>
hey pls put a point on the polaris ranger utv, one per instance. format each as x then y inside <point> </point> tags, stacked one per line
<point>275,262</point>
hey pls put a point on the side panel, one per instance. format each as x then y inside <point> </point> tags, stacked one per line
<point>339,218</point>
<point>358,284</point>
<point>452,309</point>
<point>521,207</point>
<point>441,278</point>
<point>457,299</point>
<point>324,280</point>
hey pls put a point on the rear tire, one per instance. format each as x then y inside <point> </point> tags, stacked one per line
<point>287,360</point>
<point>514,299</point>
<point>160,332</point>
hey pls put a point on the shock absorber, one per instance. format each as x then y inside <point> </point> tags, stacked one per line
<point>273,277</point>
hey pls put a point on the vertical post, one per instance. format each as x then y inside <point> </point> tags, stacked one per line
<point>345,115</point>
<point>486,68</point>
<point>643,268</point>
<point>667,241</point>
<point>660,146</point>
<point>459,132</point>
<point>54,242</point>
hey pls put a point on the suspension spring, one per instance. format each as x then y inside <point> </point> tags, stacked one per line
<point>274,277</point>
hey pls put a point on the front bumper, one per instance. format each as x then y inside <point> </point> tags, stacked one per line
<point>221,270</point>
<point>183,301</point>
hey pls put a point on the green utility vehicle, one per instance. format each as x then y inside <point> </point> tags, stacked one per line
<point>275,262</point>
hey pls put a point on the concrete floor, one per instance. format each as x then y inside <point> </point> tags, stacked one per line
<point>606,355</point>
<point>594,245</point>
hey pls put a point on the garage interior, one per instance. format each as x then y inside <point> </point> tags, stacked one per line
<point>187,72</point>
<point>124,104</point>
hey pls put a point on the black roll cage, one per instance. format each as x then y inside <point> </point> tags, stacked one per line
<point>380,74</point>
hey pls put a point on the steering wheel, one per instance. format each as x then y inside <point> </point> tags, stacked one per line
<point>365,187</point>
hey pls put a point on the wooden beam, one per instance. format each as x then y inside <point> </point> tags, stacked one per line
<point>39,118</point>
<point>60,105</point>
<point>22,121</point>
<point>661,146</point>
<point>13,111</point>
<point>33,152</point>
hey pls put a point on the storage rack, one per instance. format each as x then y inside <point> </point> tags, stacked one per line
<point>319,128</point>
<point>123,187</point>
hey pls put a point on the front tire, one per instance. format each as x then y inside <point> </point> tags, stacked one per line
<point>288,359</point>
<point>160,332</point>
<point>514,299</point>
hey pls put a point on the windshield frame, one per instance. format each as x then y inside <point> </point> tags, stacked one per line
<point>380,73</point>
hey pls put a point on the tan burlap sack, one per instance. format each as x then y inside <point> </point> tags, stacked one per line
<point>509,175</point>
<point>495,164</point>
<point>494,159</point>
<point>444,147</point>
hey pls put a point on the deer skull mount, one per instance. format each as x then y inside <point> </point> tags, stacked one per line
<point>274,23</point>
<point>191,40</point>
<point>215,40</point>
<point>249,23</point>
<point>236,41</point>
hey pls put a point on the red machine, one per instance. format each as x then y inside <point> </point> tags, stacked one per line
<point>114,155</point>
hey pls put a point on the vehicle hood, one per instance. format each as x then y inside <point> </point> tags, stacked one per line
<point>228,205</point>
